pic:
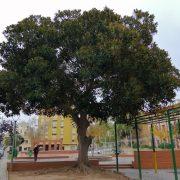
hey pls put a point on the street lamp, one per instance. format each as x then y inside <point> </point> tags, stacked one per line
<point>14,142</point>
<point>14,150</point>
<point>116,144</point>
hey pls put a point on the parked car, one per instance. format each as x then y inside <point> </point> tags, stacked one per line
<point>1,152</point>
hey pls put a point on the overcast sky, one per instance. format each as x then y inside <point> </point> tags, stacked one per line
<point>166,12</point>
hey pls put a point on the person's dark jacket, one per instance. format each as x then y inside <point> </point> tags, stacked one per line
<point>36,149</point>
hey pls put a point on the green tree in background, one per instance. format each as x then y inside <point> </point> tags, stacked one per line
<point>90,65</point>
<point>124,132</point>
<point>6,127</point>
<point>7,140</point>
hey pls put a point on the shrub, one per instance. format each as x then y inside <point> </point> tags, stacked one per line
<point>134,145</point>
<point>164,146</point>
<point>146,146</point>
<point>141,146</point>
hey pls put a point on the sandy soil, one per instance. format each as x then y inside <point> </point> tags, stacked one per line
<point>65,175</point>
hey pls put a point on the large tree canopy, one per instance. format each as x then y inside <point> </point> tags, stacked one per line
<point>91,65</point>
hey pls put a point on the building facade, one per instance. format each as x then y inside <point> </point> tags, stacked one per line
<point>58,132</point>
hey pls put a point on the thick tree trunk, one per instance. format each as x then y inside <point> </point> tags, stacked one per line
<point>84,143</point>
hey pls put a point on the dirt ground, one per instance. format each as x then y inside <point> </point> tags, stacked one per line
<point>65,175</point>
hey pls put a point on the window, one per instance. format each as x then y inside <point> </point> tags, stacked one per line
<point>54,123</point>
<point>62,131</point>
<point>20,148</point>
<point>62,124</point>
<point>54,131</point>
<point>57,147</point>
<point>52,146</point>
<point>46,147</point>
<point>26,141</point>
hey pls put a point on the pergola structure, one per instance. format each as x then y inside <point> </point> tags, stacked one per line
<point>167,115</point>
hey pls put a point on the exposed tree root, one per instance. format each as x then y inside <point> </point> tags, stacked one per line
<point>82,168</point>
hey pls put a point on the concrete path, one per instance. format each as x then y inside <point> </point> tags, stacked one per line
<point>3,167</point>
<point>150,175</point>
<point>121,160</point>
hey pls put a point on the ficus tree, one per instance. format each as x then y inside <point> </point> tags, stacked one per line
<point>90,65</point>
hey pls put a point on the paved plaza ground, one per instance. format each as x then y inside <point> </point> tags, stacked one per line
<point>59,175</point>
<point>150,175</point>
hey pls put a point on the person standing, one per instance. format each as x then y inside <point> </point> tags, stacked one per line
<point>36,151</point>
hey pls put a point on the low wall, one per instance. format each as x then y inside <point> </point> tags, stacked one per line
<point>123,155</point>
<point>30,166</point>
<point>41,157</point>
<point>164,159</point>
<point>59,152</point>
<point>50,153</point>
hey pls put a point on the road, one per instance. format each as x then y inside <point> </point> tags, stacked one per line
<point>3,167</point>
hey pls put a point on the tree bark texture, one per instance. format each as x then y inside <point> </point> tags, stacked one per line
<point>84,142</point>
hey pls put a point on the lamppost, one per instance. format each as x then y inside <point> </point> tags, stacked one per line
<point>116,144</point>
<point>14,150</point>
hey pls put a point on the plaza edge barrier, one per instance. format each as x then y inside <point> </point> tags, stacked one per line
<point>164,159</point>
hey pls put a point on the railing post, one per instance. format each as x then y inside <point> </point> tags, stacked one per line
<point>153,147</point>
<point>172,146</point>
<point>139,158</point>
<point>13,143</point>
<point>178,126</point>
